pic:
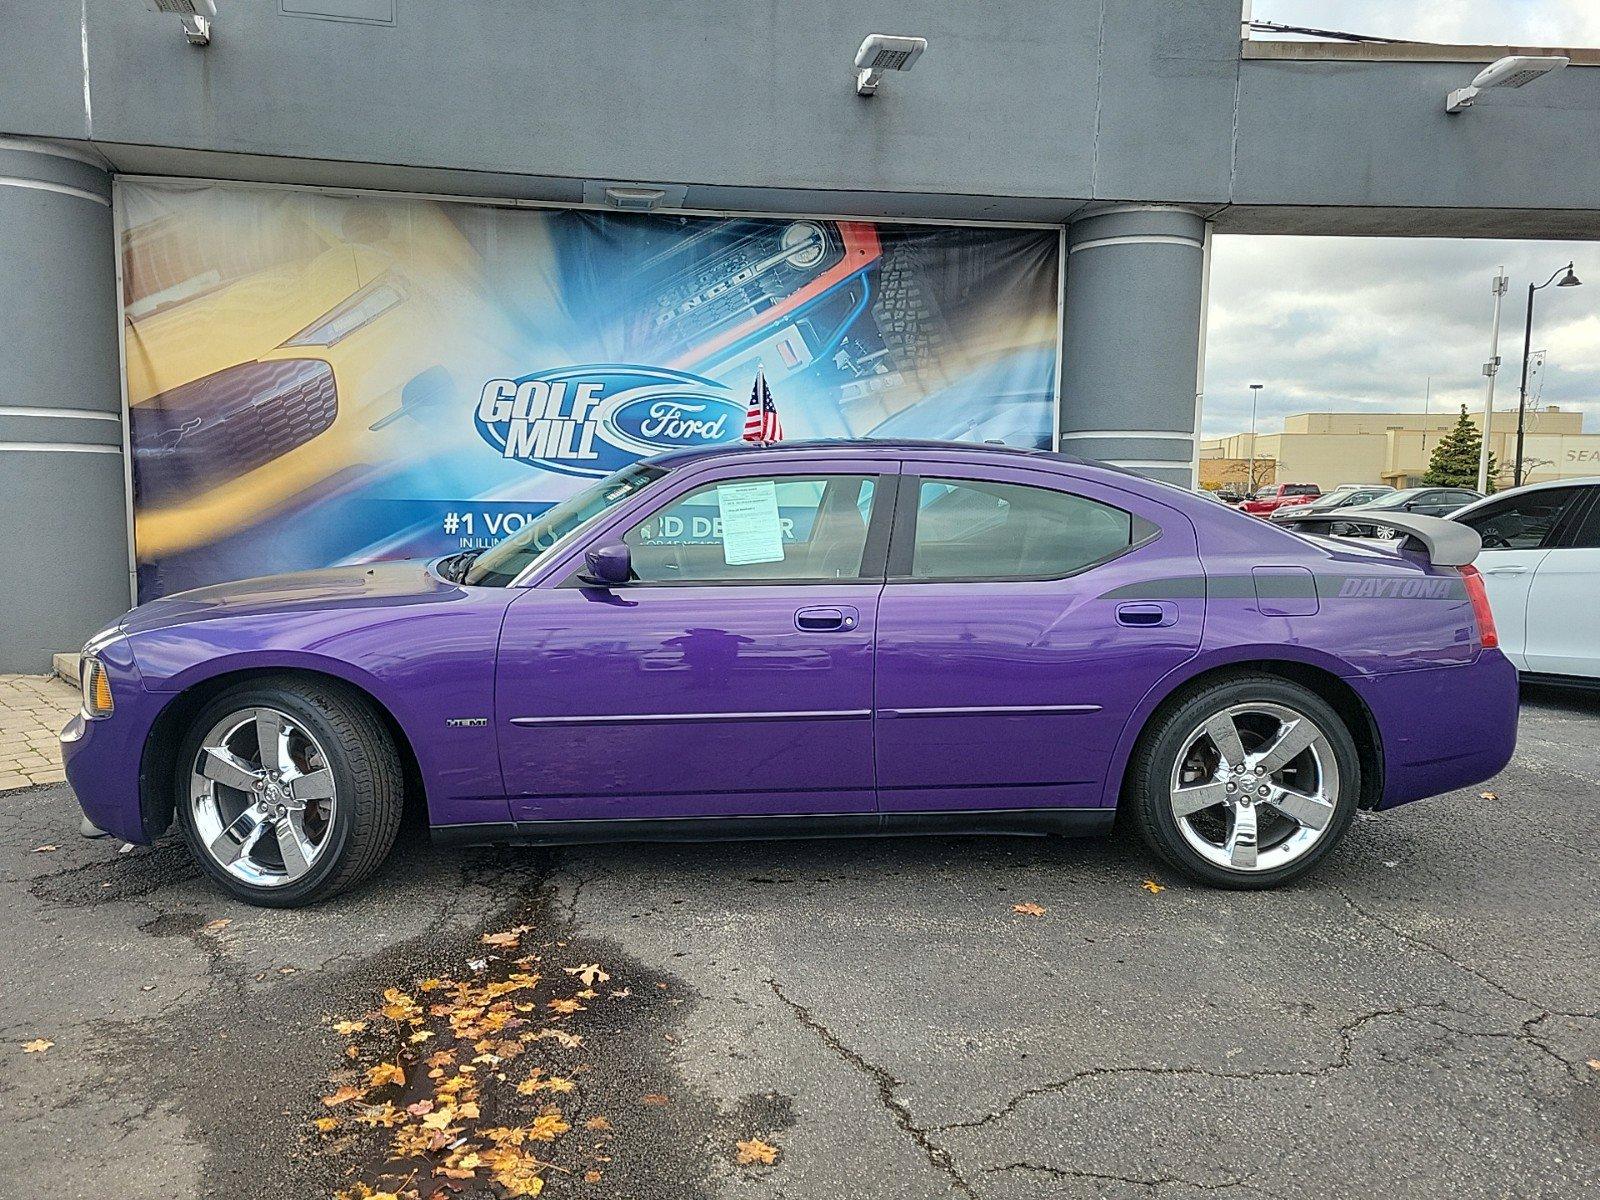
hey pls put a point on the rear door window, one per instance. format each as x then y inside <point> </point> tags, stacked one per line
<point>1524,522</point>
<point>978,530</point>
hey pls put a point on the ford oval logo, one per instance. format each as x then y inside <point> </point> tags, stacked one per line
<point>591,420</point>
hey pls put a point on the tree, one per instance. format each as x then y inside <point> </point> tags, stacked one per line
<point>1454,462</point>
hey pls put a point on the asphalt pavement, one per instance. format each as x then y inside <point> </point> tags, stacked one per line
<point>1421,1018</point>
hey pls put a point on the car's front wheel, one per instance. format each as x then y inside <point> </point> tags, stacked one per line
<point>1245,783</point>
<point>290,790</point>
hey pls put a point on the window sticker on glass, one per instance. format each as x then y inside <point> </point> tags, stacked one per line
<point>752,531</point>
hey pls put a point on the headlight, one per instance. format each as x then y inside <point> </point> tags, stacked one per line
<point>339,322</point>
<point>96,687</point>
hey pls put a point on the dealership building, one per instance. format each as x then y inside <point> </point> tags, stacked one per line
<point>359,278</point>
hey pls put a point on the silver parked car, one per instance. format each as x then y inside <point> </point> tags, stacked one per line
<point>1344,496</point>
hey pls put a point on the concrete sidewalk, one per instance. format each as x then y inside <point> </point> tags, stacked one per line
<point>33,708</point>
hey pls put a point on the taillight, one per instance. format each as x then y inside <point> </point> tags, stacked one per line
<point>1473,578</point>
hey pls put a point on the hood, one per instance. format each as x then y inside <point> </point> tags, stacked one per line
<point>371,585</point>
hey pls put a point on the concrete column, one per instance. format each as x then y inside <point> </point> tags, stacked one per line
<point>1134,321</point>
<point>63,499</point>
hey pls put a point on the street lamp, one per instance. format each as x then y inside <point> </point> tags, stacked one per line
<point>1570,279</point>
<point>1250,479</point>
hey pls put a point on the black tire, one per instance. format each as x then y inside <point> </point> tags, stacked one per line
<point>366,769</point>
<point>1147,796</point>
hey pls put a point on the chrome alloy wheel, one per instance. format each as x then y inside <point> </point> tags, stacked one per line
<point>1255,787</point>
<point>262,796</point>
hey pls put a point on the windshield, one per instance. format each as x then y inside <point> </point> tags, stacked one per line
<point>502,563</point>
<point>1396,499</point>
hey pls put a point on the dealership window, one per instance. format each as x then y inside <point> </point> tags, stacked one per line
<point>767,529</point>
<point>969,529</point>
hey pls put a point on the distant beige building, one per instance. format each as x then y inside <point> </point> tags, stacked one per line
<point>1333,448</point>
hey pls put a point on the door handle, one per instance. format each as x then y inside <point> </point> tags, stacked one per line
<point>826,619</point>
<point>1148,615</point>
<point>1506,570</point>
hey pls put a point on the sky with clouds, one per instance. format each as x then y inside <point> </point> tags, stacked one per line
<point>1368,323</point>
<point>1492,22</point>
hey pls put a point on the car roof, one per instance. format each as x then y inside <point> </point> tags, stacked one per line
<point>975,452</point>
<point>892,448</point>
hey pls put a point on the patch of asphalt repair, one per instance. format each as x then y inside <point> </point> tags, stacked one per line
<point>1417,1019</point>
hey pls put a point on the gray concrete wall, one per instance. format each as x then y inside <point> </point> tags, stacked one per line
<point>1052,103</point>
<point>63,519</point>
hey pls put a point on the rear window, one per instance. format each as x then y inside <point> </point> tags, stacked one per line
<point>1301,489</point>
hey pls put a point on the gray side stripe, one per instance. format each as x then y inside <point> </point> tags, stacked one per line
<point>1330,585</point>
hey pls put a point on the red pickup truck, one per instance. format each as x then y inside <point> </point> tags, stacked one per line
<point>1280,495</point>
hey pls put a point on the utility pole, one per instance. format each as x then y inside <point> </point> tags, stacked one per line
<point>1427,404</point>
<point>1569,280</point>
<point>1490,369</point>
<point>1255,394</point>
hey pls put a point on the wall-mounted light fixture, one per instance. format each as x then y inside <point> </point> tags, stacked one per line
<point>195,15</point>
<point>884,52</point>
<point>1517,70</point>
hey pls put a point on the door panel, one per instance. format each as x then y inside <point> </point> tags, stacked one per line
<point>688,701</point>
<point>994,695</point>
<point>1563,630</point>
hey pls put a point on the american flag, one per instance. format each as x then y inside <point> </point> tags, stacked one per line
<point>761,423</point>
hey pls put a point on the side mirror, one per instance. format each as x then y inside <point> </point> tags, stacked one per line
<point>608,565</point>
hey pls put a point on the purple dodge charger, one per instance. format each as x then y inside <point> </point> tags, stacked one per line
<point>810,638</point>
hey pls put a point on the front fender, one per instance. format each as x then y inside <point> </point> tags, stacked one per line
<point>430,668</point>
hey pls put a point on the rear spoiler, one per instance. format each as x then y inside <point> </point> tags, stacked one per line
<point>1446,543</point>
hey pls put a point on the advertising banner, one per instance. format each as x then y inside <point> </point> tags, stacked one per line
<point>316,379</point>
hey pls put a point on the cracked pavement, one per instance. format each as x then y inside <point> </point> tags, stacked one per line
<point>1415,1020</point>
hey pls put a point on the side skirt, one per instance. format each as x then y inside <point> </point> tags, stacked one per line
<point>1026,822</point>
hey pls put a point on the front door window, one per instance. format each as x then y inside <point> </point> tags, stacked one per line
<point>773,529</point>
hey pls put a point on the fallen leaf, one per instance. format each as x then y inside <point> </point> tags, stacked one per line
<point>547,1127</point>
<point>1154,888</point>
<point>756,1151</point>
<point>385,1072</point>
<point>564,1006</point>
<point>420,1035</point>
<point>1594,1064</point>
<point>599,1123</point>
<point>218,925</point>
<point>346,1028</point>
<point>37,1046</point>
<point>591,1176</point>
<point>326,1124</point>
<point>590,973</point>
<point>504,941</point>
<point>1030,909</point>
<point>1488,795</point>
<point>45,849</point>
<point>653,1098</point>
<point>342,1095</point>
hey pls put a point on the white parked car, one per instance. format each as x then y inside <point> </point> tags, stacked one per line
<point>1541,565</point>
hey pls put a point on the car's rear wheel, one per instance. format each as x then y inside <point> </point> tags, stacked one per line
<point>290,791</point>
<point>1247,783</point>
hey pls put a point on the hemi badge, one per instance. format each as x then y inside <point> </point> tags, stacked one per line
<point>466,722</point>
